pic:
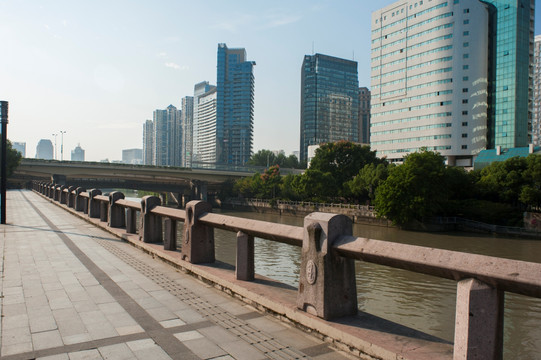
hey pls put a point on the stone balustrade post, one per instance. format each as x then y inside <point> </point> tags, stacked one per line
<point>104,211</point>
<point>327,281</point>
<point>479,321</point>
<point>71,196</point>
<point>170,234</point>
<point>198,246</point>
<point>79,200</point>
<point>50,192</point>
<point>131,221</point>
<point>151,225</point>
<point>63,195</point>
<point>117,214</point>
<point>56,194</point>
<point>245,267</point>
<point>93,204</point>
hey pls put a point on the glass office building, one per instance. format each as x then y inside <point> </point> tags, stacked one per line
<point>329,101</point>
<point>234,106</point>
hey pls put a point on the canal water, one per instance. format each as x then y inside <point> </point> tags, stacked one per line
<point>418,301</point>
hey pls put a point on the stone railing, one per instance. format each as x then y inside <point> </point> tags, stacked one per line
<point>327,275</point>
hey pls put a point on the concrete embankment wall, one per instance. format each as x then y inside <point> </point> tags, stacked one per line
<point>359,216</point>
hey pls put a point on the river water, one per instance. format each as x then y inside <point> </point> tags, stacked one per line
<point>418,301</point>
<point>421,302</point>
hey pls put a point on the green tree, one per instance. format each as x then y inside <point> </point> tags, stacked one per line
<point>414,190</point>
<point>270,183</point>
<point>342,160</point>
<point>530,193</point>
<point>503,181</point>
<point>363,186</point>
<point>13,158</point>
<point>262,158</point>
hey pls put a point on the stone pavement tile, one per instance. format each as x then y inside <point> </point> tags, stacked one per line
<point>241,350</point>
<point>188,335</point>
<point>16,336</point>
<point>296,338</point>
<point>92,354</point>
<point>47,339</point>
<point>75,339</point>
<point>111,308</point>
<point>16,321</point>
<point>85,305</point>
<point>172,323</point>
<point>161,314</point>
<point>235,308</point>
<point>204,348</point>
<point>93,317</point>
<point>218,334</point>
<point>149,303</point>
<point>189,316</point>
<point>55,357</point>
<point>334,355</point>
<point>128,330</point>
<point>53,285</point>
<point>42,323</point>
<point>99,295</point>
<point>101,331</point>
<point>121,320</point>
<point>116,351</point>
<point>140,344</point>
<point>154,353</point>
<point>14,309</point>
<point>16,348</point>
<point>267,324</point>
<point>37,302</point>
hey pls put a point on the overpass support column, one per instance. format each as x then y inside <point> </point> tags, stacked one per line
<point>151,225</point>
<point>93,205</point>
<point>198,246</point>
<point>479,321</point>
<point>199,189</point>
<point>117,214</point>
<point>79,200</point>
<point>327,281</point>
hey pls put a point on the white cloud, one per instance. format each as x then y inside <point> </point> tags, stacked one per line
<point>176,66</point>
<point>281,20</point>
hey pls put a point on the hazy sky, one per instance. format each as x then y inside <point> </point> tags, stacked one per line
<point>98,69</point>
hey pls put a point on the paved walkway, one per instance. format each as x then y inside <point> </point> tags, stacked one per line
<point>69,290</point>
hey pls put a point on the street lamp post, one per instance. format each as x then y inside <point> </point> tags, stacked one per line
<point>55,135</point>
<point>3,182</point>
<point>62,146</point>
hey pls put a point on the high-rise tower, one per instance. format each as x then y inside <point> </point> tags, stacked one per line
<point>329,101</point>
<point>234,106</point>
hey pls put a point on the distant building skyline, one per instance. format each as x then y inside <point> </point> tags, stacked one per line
<point>329,101</point>
<point>132,156</point>
<point>20,147</point>
<point>78,154</point>
<point>186,120</point>
<point>44,149</point>
<point>364,115</point>
<point>148,142</point>
<point>536,116</point>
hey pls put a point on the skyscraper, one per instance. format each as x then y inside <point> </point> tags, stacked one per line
<point>451,76</point>
<point>148,142</point>
<point>199,132</point>
<point>20,147</point>
<point>44,149</point>
<point>208,145</point>
<point>329,101</point>
<point>186,120</point>
<point>132,156</point>
<point>167,137</point>
<point>234,106</point>
<point>78,154</point>
<point>536,119</point>
<point>364,115</point>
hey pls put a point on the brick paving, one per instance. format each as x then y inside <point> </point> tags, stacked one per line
<point>69,290</point>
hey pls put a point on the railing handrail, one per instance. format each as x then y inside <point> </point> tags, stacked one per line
<point>102,198</point>
<point>129,204</point>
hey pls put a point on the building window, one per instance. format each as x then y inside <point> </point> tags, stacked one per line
<point>505,88</point>
<point>466,33</point>
<point>464,147</point>
<point>466,11</point>
<point>506,52</point>
<point>465,112</point>
<point>464,101</point>
<point>466,22</point>
<point>465,56</point>
<point>465,78</point>
<point>466,44</point>
<point>465,67</point>
<point>456,1</point>
<point>464,135</point>
<point>464,123</point>
<point>464,90</point>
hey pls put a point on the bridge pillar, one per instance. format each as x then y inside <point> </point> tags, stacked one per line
<point>199,190</point>
<point>327,281</point>
<point>63,195</point>
<point>79,200</point>
<point>151,225</point>
<point>117,214</point>
<point>479,321</point>
<point>198,246</point>
<point>93,205</point>
<point>71,197</point>
<point>59,179</point>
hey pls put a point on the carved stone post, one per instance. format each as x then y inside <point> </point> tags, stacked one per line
<point>104,211</point>
<point>79,200</point>
<point>93,205</point>
<point>327,281</point>
<point>63,195</point>
<point>151,225</point>
<point>56,193</point>
<point>170,233</point>
<point>117,214</point>
<point>131,221</point>
<point>198,246</point>
<point>479,321</point>
<point>245,267</point>
<point>71,197</point>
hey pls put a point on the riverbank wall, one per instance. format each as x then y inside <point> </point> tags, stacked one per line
<point>360,214</point>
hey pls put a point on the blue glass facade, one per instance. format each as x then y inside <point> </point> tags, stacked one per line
<point>510,69</point>
<point>329,101</point>
<point>234,106</point>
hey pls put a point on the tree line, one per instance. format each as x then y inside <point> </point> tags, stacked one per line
<point>420,188</point>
